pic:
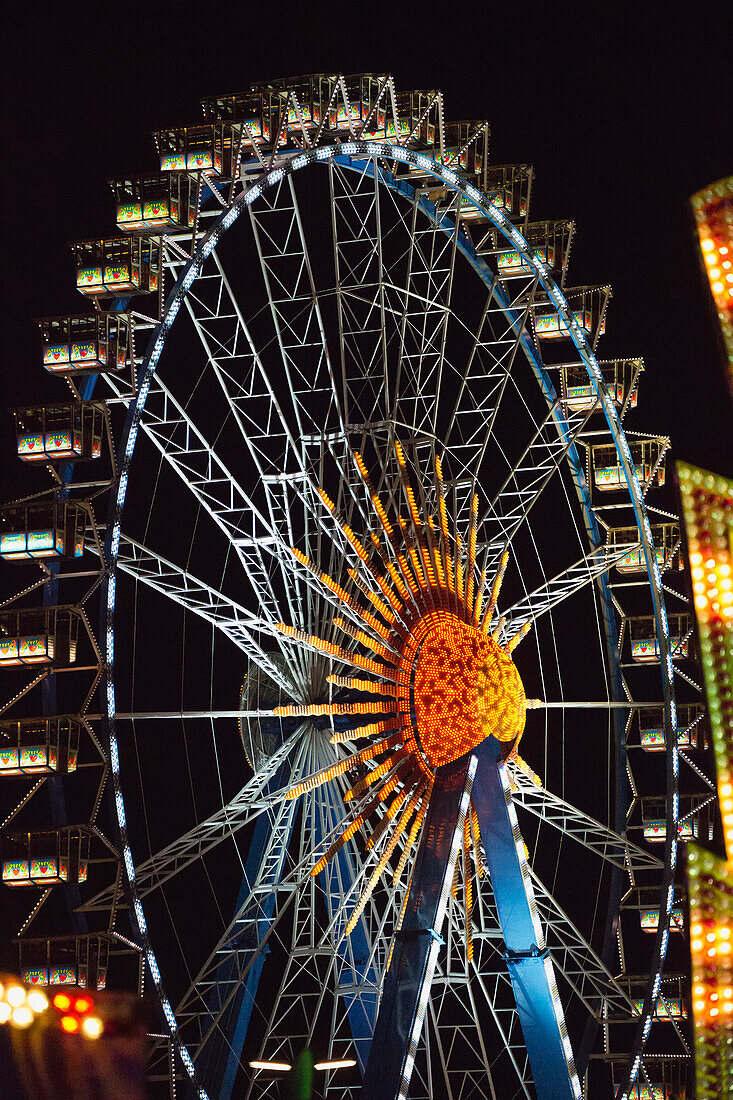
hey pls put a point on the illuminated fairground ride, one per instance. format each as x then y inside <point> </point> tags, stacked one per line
<point>374,452</point>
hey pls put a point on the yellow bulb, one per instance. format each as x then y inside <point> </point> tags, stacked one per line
<point>38,1000</point>
<point>718,288</point>
<point>92,1027</point>
<point>5,1011</point>
<point>22,1017</point>
<point>697,945</point>
<point>15,995</point>
<point>707,244</point>
<point>699,1006</point>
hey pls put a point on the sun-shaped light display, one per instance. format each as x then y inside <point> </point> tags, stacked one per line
<point>440,680</point>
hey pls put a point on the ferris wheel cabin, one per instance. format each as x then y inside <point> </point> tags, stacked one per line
<point>39,746</point>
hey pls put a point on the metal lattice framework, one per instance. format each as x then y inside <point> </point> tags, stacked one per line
<point>381,285</point>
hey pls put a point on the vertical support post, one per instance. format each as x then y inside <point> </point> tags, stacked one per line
<point>528,962</point>
<point>407,984</point>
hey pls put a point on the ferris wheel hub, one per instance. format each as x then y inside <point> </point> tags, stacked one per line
<point>463,688</point>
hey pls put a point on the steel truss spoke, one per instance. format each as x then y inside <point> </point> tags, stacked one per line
<point>597,838</point>
<point>589,979</point>
<point>233,620</point>
<point>540,461</point>
<point>548,595</point>
<point>154,872</point>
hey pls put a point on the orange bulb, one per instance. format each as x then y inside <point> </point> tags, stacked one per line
<point>70,1024</point>
<point>83,1004</point>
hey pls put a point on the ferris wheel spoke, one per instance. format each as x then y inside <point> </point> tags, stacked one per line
<point>425,316</point>
<point>227,983</point>
<point>456,1024</point>
<point>591,981</point>
<point>585,830</point>
<point>280,889</point>
<point>295,311</point>
<point>259,544</point>
<point>234,621</point>
<point>360,297</point>
<point>154,872</point>
<point>487,374</point>
<point>530,475</point>
<point>565,584</point>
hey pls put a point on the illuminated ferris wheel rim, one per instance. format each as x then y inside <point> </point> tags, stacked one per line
<point>362,155</point>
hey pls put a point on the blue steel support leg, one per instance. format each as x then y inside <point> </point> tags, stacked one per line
<point>222,1057</point>
<point>361,1002</point>
<point>407,985</point>
<point>530,968</point>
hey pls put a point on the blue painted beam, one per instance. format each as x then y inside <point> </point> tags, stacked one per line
<point>220,1061</point>
<point>361,1004</point>
<point>416,946</point>
<point>530,967</point>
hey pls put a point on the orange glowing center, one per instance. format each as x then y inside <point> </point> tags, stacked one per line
<point>462,687</point>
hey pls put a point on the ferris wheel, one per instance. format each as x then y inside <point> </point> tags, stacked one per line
<point>368,451</point>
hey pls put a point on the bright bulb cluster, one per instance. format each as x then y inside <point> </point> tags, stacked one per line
<point>441,667</point>
<point>713,209</point>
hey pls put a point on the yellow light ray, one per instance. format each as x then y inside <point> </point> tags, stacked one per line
<point>468,886</point>
<point>382,794</point>
<point>358,733</point>
<point>397,581</point>
<point>400,919</point>
<point>379,869</point>
<point>417,567</point>
<point>345,655</point>
<point>407,488</point>
<point>342,594</point>
<point>373,597</point>
<point>476,838</point>
<point>444,530</point>
<point>496,589</point>
<point>369,780</point>
<point>414,830</point>
<point>315,710</point>
<point>459,569</point>
<point>342,766</point>
<point>517,638</point>
<point>533,704</point>
<point>472,551</point>
<point>495,634</point>
<point>479,598</point>
<point>362,553</point>
<point>366,640</point>
<point>361,685</point>
<point>392,809</point>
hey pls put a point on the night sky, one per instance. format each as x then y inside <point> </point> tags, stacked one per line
<point>624,112</point>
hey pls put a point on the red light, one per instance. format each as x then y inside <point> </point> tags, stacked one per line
<point>70,1024</point>
<point>83,1004</point>
<point>62,1002</point>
